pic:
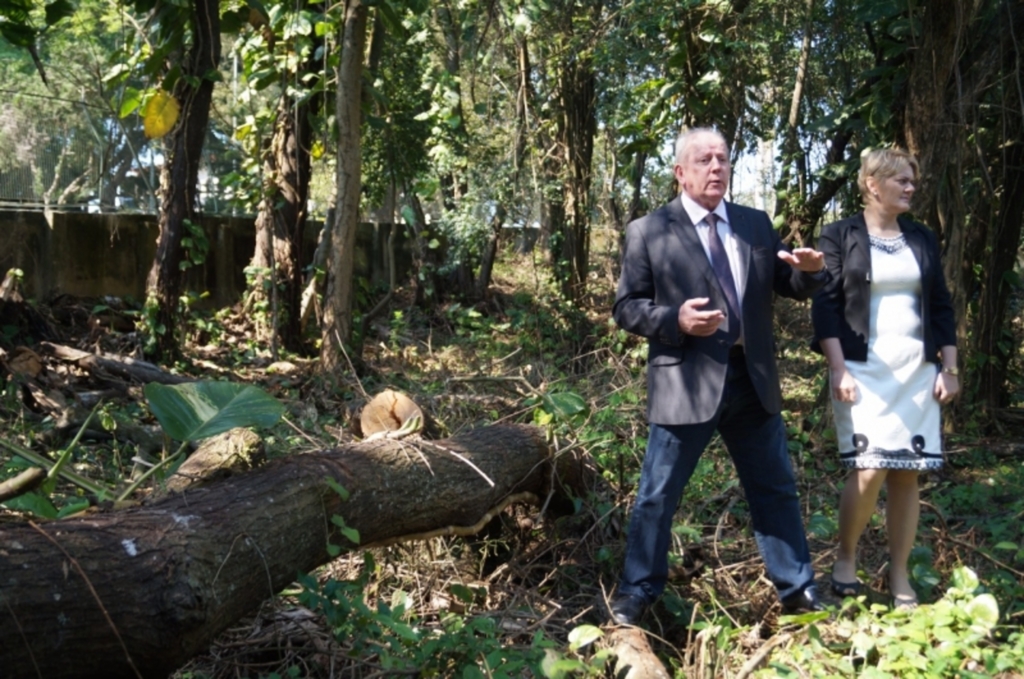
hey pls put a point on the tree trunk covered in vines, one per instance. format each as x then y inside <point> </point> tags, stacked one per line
<point>934,133</point>
<point>577,127</point>
<point>180,172</point>
<point>962,119</point>
<point>993,338</point>
<point>281,222</point>
<point>138,592</point>
<point>1000,227</point>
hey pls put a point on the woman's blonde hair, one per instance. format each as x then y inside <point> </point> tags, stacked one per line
<point>882,164</point>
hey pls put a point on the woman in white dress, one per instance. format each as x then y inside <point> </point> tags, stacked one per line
<point>886,327</point>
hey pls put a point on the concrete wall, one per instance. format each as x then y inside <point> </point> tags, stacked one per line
<point>93,255</point>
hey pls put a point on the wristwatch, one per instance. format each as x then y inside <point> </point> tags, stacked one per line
<point>955,372</point>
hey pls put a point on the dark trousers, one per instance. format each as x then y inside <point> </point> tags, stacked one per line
<point>756,441</point>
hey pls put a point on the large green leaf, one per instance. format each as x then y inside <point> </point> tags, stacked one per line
<point>36,503</point>
<point>57,10</point>
<point>198,410</point>
<point>984,612</point>
<point>565,404</point>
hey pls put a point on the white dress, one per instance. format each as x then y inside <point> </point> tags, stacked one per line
<point>895,423</point>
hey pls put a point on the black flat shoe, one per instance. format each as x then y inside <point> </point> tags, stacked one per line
<point>805,601</point>
<point>845,589</point>
<point>628,609</point>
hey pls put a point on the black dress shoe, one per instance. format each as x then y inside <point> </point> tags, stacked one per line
<point>804,601</point>
<point>627,609</point>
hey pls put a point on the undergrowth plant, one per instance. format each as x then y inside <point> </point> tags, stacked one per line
<point>957,636</point>
<point>447,645</point>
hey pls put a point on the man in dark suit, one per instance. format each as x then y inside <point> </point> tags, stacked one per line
<point>698,280</point>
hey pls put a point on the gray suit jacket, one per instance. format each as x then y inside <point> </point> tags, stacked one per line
<point>663,265</point>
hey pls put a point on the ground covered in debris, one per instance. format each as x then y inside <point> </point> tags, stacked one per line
<point>527,594</point>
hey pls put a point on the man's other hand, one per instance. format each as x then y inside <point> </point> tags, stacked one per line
<point>693,321</point>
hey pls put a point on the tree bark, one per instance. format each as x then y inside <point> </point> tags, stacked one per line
<point>962,88</point>
<point>122,367</point>
<point>281,223</point>
<point>180,172</point>
<point>1001,239</point>
<point>490,254</point>
<point>337,322</point>
<point>577,127</point>
<point>454,182</point>
<point>26,481</point>
<point>137,592</point>
<point>792,153</point>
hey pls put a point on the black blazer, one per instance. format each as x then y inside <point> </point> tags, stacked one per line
<point>663,265</point>
<point>842,307</point>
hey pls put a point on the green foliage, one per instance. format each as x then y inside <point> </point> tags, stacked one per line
<point>150,325</point>
<point>395,128</point>
<point>264,278</point>
<point>196,410</point>
<point>196,245</point>
<point>349,533</point>
<point>957,636</point>
<point>470,646</point>
<point>990,510</point>
<point>564,406</point>
<point>21,21</point>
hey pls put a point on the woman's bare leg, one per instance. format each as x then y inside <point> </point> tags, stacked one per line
<point>856,505</point>
<point>901,517</point>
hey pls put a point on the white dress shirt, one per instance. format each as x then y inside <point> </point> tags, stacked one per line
<point>697,214</point>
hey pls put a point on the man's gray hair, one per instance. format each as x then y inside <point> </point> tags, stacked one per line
<point>686,137</point>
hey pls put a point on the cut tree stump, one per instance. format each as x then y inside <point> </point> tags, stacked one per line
<point>390,411</point>
<point>139,591</point>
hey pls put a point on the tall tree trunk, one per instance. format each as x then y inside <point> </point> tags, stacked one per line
<point>490,251</point>
<point>636,183</point>
<point>427,259</point>
<point>794,197</point>
<point>933,131</point>
<point>281,222</point>
<point>506,195</point>
<point>180,172</point>
<point>137,592</point>
<point>338,302</point>
<point>577,127</point>
<point>454,186</point>
<point>993,339</point>
<point>993,344</point>
<point>962,55</point>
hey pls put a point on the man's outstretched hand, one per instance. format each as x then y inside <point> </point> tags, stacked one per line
<point>804,259</point>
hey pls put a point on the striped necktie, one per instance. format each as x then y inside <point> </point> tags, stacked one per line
<point>720,263</point>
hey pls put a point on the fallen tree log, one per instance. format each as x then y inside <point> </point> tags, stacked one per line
<point>122,367</point>
<point>28,480</point>
<point>139,591</point>
<point>634,658</point>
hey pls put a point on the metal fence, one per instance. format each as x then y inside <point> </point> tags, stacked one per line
<point>88,165</point>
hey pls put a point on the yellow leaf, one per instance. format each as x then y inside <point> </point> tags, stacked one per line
<point>160,114</point>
